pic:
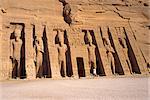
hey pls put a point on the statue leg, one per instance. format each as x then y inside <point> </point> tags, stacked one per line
<point>40,71</point>
<point>14,69</point>
<point>60,63</point>
<point>18,69</point>
<point>128,61</point>
<point>129,64</point>
<point>94,68</point>
<point>113,64</point>
<point>90,66</point>
<point>64,67</point>
<point>110,63</point>
<point>39,66</point>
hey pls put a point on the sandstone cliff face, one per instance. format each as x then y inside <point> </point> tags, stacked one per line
<point>84,13</point>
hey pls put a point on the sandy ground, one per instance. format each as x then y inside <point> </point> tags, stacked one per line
<point>81,89</point>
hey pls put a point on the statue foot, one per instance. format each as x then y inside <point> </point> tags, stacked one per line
<point>17,78</point>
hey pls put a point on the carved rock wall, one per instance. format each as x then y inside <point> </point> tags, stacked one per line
<point>43,18</point>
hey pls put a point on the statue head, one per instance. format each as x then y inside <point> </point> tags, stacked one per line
<point>38,39</point>
<point>106,41</point>
<point>89,37</point>
<point>17,33</point>
<point>61,36</point>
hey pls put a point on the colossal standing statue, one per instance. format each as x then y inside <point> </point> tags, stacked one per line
<point>39,49</point>
<point>16,45</point>
<point>110,51</point>
<point>62,48</point>
<point>91,54</point>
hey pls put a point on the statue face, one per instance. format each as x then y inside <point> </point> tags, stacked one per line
<point>17,33</point>
<point>61,40</point>
<point>89,38</point>
<point>61,36</point>
<point>37,40</point>
<point>107,41</point>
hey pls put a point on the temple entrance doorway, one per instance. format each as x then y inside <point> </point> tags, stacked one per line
<point>80,65</point>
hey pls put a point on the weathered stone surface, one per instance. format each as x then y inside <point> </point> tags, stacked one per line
<point>98,18</point>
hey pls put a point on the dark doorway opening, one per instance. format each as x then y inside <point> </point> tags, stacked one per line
<point>46,58</point>
<point>68,56</point>
<point>22,63</point>
<point>80,65</point>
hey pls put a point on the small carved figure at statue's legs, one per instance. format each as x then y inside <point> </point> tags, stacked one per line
<point>93,67</point>
<point>94,72</point>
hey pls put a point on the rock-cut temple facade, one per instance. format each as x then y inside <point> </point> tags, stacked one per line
<point>73,38</point>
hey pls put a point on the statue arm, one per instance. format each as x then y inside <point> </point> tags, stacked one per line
<point>66,48</point>
<point>106,47</point>
<point>124,42</point>
<point>94,46</point>
<point>42,49</point>
<point>39,46</point>
<point>11,49</point>
<point>112,50</point>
